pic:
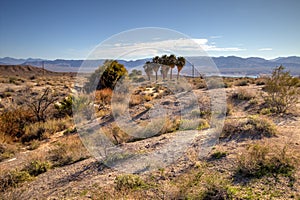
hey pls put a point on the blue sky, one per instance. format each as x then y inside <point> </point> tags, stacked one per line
<point>70,29</point>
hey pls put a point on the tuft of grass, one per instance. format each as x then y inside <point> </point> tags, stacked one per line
<point>218,155</point>
<point>135,100</point>
<point>193,124</point>
<point>242,95</point>
<point>129,181</point>
<point>229,109</point>
<point>148,106</point>
<point>266,111</point>
<point>242,83</point>
<point>34,144</point>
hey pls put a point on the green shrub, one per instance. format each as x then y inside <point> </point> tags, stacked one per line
<point>129,181</point>
<point>64,107</point>
<point>13,179</point>
<point>282,90</point>
<point>261,160</point>
<point>107,76</point>
<point>266,111</point>
<point>37,167</point>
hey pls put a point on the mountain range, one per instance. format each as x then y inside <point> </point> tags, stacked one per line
<point>230,65</point>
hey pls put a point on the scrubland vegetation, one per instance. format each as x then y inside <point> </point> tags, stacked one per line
<point>42,156</point>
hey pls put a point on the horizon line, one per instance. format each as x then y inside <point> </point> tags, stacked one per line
<point>53,59</point>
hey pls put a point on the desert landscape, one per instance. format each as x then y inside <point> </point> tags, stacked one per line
<point>43,154</point>
<point>138,100</point>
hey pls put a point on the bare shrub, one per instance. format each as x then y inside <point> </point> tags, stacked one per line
<point>40,104</point>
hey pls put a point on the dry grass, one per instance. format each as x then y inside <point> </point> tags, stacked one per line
<point>103,97</point>
<point>243,94</point>
<point>68,150</point>
<point>7,150</point>
<point>43,130</point>
<point>13,122</point>
<point>136,100</point>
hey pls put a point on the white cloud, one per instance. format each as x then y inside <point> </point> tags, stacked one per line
<point>180,46</point>
<point>265,49</point>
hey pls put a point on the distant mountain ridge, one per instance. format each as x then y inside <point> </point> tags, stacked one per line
<point>226,65</point>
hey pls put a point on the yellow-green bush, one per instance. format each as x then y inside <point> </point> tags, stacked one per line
<point>128,181</point>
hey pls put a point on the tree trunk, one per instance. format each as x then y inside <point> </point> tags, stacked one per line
<point>171,73</point>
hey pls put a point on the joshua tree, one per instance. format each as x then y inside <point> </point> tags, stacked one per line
<point>148,69</point>
<point>180,63</point>
<point>171,60</point>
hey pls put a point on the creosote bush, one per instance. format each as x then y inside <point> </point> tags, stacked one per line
<point>282,90</point>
